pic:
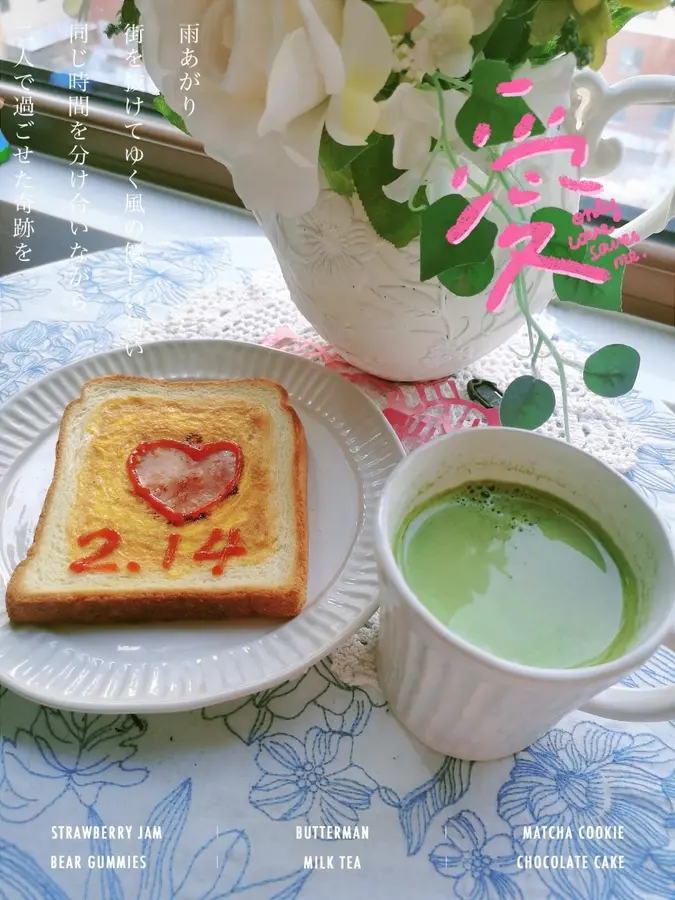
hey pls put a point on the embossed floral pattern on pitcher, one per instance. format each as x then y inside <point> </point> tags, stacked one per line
<point>364,296</point>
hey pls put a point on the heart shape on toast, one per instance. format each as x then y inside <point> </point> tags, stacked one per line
<point>182,481</point>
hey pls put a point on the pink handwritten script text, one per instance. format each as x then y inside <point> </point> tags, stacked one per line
<point>528,240</point>
<point>537,235</point>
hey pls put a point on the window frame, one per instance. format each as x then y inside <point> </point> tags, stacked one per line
<point>176,161</point>
<point>171,159</point>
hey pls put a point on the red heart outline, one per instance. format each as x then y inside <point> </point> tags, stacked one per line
<point>197,454</point>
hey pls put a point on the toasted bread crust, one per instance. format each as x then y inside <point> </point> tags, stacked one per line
<point>145,606</point>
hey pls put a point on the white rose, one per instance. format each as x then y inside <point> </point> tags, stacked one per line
<point>443,38</point>
<point>272,74</point>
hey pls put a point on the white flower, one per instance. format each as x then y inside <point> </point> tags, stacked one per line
<point>443,38</point>
<point>429,171</point>
<point>443,42</point>
<point>423,169</point>
<point>411,115</point>
<point>272,74</point>
<point>482,11</point>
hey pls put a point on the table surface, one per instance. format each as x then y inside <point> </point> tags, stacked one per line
<point>217,803</point>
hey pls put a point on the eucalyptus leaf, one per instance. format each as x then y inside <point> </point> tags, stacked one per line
<point>437,255</point>
<point>612,370</point>
<point>467,281</point>
<point>394,222</point>
<point>528,403</point>
<point>501,113</point>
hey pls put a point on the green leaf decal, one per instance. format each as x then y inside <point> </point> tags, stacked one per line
<point>467,281</point>
<point>502,114</point>
<point>528,403</point>
<point>372,169</point>
<point>612,371</point>
<point>436,254</point>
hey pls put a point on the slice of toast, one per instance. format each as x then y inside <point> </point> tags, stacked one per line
<point>170,500</point>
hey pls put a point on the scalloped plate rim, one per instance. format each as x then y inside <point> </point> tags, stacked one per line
<point>154,705</point>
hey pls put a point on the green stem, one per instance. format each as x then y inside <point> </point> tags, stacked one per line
<point>452,156</point>
<point>536,352</point>
<point>521,288</point>
<point>573,364</point>
<point>411,201</point>
<point>550,346</point>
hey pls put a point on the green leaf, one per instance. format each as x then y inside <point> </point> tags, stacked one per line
<point>128,15</point>
<point>467,281</point>
<point>559,245</point>
<point>336,162</point>
<point>479,41</point>
<point>528,402</point>
<point>337,156</point>
<point>163,107</point>
<point>510,40</point>
<point>436,254</point>
<point>395,222</point>
<point>502,114</point>
<point>612,370</point>
<point>597,296</point>
<point>548,19</point>
<point>341,182</point>
<point>397,18</point>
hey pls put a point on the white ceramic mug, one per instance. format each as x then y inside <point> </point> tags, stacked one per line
<point>461,700</point>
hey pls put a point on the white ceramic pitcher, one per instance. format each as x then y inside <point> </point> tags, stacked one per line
<point>364,296</point>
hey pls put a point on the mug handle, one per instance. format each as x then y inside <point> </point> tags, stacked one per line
<point>636,704</point>
<point>589,119</point>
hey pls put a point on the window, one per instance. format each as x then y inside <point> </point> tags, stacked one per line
<point>630,61</point>
<point>42,31</point>
<point>664,119</point>
<point>646,46</point>
<point>112,76</point>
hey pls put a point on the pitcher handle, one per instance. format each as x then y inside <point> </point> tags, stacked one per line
<point>636,704</point>
<point>590,119</point>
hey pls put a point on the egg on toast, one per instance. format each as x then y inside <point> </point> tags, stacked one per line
<point>171,500</point>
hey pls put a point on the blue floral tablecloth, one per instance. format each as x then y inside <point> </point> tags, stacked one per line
<point>220,802</point>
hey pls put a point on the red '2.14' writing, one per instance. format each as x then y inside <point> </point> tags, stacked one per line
<point>219,548</point>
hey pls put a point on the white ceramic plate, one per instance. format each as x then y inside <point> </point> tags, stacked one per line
<point>163,668</point>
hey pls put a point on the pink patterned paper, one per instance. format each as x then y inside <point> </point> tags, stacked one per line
<point>416,412</point>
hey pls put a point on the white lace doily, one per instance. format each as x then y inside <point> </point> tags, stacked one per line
<point>259,304</point>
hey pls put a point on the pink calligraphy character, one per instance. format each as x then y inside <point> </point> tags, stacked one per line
<point>573,143</point>
<point>537,235</point>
